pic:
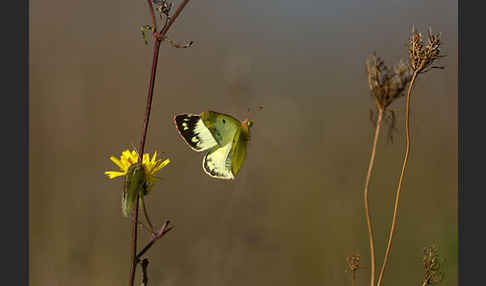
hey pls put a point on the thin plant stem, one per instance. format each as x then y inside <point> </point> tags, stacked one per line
<point>143,225</point>
<point>353,277</point>
<point>147,216</point>
<point>399,188</point>
<point>152,15</point>
<point>166,27</point>
<point>142,146</point>
<point>368,179</point>
<point>134,245</point>
<point>145,264</point>
<point>158,38</point>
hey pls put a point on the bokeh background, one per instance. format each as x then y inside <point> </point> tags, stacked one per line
<point>295,212</point>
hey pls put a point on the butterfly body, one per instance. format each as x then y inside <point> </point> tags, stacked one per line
<point>224,136</point>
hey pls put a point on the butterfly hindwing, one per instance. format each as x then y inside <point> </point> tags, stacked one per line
<point>238,150</point>
<point>195,133</point>
<point>217,162</point>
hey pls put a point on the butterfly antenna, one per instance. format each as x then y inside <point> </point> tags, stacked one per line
<point>255,111</point>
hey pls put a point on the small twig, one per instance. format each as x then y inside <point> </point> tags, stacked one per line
<point>174,44</point>
<point>174,17</point>
<point>165,229</point>
<point>152,15</point>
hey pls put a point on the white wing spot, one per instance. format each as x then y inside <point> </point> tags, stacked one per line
<point>206,139</point>
<point>194,132</point>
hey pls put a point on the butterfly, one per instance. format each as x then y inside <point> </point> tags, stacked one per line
<point>224,136</point>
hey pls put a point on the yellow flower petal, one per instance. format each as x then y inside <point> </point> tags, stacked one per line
<point>117,162</point>
<point>126,154</point>
<point>153,158</point>
<point>114,174</point>
<point>146,158</point>
<point>162,165</point>
<point>128,158</point>
<point>135,156</point>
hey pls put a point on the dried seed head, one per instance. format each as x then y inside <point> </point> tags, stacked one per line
<point>386,84</point>
<point>162,6</point>
<point>353,262</point>
<point>422,55</point>
<point>432,264</point>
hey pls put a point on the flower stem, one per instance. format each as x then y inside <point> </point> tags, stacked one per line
<point>147,216</point>
<point>367,183</point>
<point>399,188</point>
<point>157,41</point>
<point>140,151</point>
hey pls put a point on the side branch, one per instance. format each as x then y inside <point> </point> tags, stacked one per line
<point>152,14</point>
<point>174,17</point>
<point>165,229</point>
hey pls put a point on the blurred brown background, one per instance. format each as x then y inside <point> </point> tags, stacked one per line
<point>295,211</point>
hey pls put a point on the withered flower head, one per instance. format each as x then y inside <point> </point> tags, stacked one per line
<point>432,264</point>
<point>422,55</point>
<point>353,262</point>
<point>386,84</point>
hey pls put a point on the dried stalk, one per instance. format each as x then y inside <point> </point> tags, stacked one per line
<point>386,85</point>
<point>421,58</point>
<point>397,198</point>
<point>367,211</point>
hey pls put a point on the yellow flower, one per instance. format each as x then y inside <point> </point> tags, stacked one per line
<point>128,158</point>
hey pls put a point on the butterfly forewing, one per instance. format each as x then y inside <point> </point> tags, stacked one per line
<point>194,132</point>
